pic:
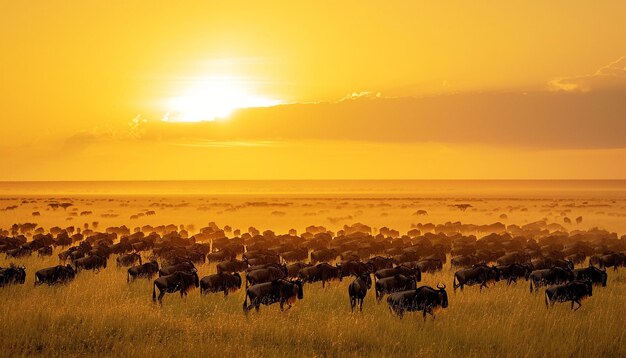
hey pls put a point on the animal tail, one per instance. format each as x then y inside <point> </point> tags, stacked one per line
<point>531,286</point>
<point>128,277</point>
<point>154,292</point>
<point>454,284</point>
<point>547,306</point>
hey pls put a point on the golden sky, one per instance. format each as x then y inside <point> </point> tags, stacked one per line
<point>97,90</point>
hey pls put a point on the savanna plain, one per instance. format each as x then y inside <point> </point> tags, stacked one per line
<point>99,313</point>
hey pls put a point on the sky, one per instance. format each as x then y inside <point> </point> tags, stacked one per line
<point>122,90</point>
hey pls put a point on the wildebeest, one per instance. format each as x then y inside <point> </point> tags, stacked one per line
<point>552,276</point>
<point>177,282</point>
<point>94,262</point>
<point>464,261</point>
<point>183,266</point>
<point>221,255</point>
<point>294,269</point>
<point>399,270</point>
<point>321,272</point>
<point>577,258</point>
<point>232,266</point>
<point>430,265</point>
<point>358,289</point>
<point>128,259</point>
<point>393,284</point>
<point>220,282</point>
<point>379,263</point>
<point>591,273</point>
<point>512,272</point>
<point>295,255</point>
<point>424,298</point>
<point>146,270</point>
<point>323,255</point>
<point>12,275</point>
<point>268,274</point>
<point>45,251</point>
<point>546,263</point>
<point>479,274</point>
<point>19,252</point>
<point>54,275</point>
<point>355,268</point>
<point>614,260</point>
<point>574,292</point>
<point>267,293</point>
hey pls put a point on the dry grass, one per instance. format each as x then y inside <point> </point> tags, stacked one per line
<point>100,314</point>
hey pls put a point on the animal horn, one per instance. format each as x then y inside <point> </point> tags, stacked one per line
<point>441,287</point>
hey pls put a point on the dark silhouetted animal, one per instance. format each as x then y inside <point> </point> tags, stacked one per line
<point>478,275</point>
<point>268,293</point>
<point>220,282</point>
<point>573,292</point>
<point>54,275</point>
<point>146,270</point>
<point>393,284</point>
<point>177,282</point>
<point>358,289</point>
<point>424,298</point>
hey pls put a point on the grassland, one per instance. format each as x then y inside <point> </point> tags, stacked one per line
<point>100,314</point>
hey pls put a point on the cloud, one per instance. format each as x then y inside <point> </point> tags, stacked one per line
<point>609,77</point>
<point>541,120</point>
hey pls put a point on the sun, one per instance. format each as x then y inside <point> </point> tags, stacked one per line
<point>214,98</point>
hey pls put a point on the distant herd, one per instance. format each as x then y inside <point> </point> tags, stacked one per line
<point>275,268</point>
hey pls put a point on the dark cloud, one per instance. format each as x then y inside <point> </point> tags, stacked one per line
<point>542,120</point>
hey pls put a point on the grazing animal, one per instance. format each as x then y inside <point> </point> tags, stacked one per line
<point>614,260</point>
<point>323,255</point>
<point>321,272</point>
<point>574,292</point>
<point>45,251</point>
<point>424,298</point>
<point>552,276</point>
<point>294,269</point>
<point>512,272</point>
<point>464,261</point>
<point>591,273</point>
<point>179,281</point>
<point>479,274</point>
<point>379,263</point>
<point>358,289</point>
<point>546,263</point>
<point>268,293</point>
<point>146,270</point>
<point>399,270</point>
<point>232,266</point>
<point>128,259</point>
<point>54,275</point>
<point>220,282</point>
<point>94,262</point>
<point>430,265</point>
<point>393,284</point>
<point>183,266</point>
<point>577,258</point>
<point>19,252</point>
<point>12,275</point>
<point>355,268</point>
<point>264,275</point>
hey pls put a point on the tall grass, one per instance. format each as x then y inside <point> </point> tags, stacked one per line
<point>100,314</point>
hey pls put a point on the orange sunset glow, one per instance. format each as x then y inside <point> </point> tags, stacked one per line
<point>456,91</point>
<point>399,178</point>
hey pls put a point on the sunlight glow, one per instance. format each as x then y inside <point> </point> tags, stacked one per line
<point>214,98</point>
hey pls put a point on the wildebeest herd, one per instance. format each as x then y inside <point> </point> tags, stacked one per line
<point>275,268</point>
